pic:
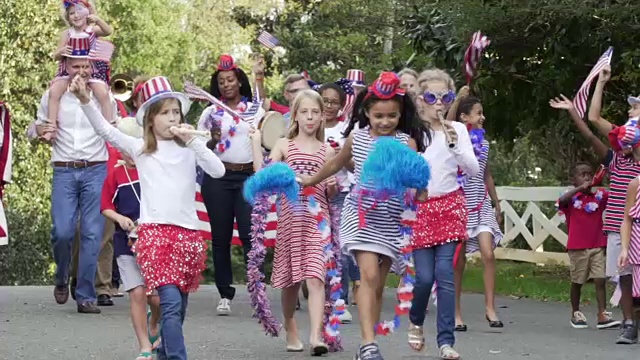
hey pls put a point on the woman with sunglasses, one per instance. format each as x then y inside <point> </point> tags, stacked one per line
<point>441,220</point>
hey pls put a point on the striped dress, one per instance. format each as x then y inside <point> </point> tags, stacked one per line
<point>380,232</point>
<point>481,216</point>
<point>299,252</point>
<point>634,246</point>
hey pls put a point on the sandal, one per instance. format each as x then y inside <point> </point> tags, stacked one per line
<point>416,337</point>
<point>145,356</point>
<point>299,347</point>
<point>448,353</point>
<point>494,323</point>
<point>319,349</point>
<point>461,328</point>
<point>153,339</point>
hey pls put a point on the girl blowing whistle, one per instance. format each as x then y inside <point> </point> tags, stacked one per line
<point>169,250</point>
<point>371,233</point>
<point>441,222</point>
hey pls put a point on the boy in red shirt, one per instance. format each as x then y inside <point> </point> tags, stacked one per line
<point>587,242</point>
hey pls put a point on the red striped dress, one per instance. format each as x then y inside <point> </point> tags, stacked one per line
<point>299,252</point>
<point>634,246</point>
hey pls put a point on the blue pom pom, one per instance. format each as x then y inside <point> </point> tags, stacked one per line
<point>275,178</point>
<point>394,167</point>
<point>396,321</point>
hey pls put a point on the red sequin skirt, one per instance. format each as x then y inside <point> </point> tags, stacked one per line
<point>170,255</point>
<point>439,220</point>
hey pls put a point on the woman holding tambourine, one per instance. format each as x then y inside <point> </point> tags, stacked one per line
<point>223,196</point>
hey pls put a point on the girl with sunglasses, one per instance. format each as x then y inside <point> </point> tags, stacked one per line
<point>441,221</point>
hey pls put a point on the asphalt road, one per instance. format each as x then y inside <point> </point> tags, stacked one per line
<point>33,326</point>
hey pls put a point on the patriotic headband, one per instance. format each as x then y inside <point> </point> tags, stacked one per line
<point>226,63</point>
<point>386,86</point>
<point>69,3</point>
<point>346,85</point>
<point>625,137</point>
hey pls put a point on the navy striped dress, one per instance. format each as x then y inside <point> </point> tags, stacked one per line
<point>481,216</point>
<point>380,232</point>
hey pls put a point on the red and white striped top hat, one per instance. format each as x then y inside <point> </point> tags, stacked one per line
<point>159,88</point>
<point>80,47</point>
<point>357,77</point>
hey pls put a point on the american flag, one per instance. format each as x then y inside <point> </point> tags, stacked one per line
<point>102,50</point>
<point>581,98</point>
<point>205,226</point>
<point>268,40</point>
<point>472,56</point>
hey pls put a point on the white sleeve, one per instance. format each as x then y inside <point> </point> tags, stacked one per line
<point>463,152</point>
<point>43,109</point>
<point>206,159</point>
<point>109,133</point>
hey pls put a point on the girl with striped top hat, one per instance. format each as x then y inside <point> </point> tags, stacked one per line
<point>483,220</point>
<point>170,251</point>
<point>370,227</point>
<point>441,220</point>
<point>299,253</point>
<point>80,40</point>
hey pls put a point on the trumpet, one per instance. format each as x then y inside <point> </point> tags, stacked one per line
<point>122,87</point>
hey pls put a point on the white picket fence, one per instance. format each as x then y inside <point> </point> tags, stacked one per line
<point>534,226</point>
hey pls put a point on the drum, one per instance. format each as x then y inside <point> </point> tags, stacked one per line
<point>272,127</point>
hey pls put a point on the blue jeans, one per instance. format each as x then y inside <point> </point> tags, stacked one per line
<point>435,263</point>
<point>173,309</point>
<point>350,272</point>
<point>76,193</point>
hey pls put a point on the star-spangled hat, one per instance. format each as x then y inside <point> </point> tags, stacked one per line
<point>159,88</point>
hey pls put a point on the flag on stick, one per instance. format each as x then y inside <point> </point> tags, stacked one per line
<point>268,40</point>
<point>581,98</point>
<point>472,56</point>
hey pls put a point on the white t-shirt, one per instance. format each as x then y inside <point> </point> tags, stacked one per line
<point>167,176</point>
<point>344,178</point>
<point>444,161</point>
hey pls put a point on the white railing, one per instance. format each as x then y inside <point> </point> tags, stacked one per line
<point>534,226</point>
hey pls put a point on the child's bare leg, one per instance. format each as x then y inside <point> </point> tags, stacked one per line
<point>138,300</point>
<point>316,309</point>
<point>601,298</point>
<point>367,301</point>
<point>489,264</point>
<point>101,92</point>
<point>58,88</point>
<point>458,275</point>
<point>289,299</point>
<point>154,320</point>
<point>384,271</point>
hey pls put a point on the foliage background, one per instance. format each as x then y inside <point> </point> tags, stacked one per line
<point>540,48</point>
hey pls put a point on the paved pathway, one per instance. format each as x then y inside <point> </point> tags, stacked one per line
<point>34,327</point>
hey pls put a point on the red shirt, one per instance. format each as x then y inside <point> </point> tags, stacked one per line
<point>585,228</point>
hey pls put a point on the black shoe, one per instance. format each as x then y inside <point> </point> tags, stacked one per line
<point>61,294</point>
<point>88,308</point>
<point>104,300</point>
<point>629,335</point>
<point>74,282</point>
<point>494,323</point>
<point>460,328</point>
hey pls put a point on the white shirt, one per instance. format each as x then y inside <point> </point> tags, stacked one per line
<point>343,177</point>
<point>167,176</point>
<point>75,138</point>
<point>444,161</point>
<point>238,149</point>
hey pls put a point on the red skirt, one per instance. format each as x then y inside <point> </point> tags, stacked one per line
<point>439,220</point>
<point>170,255</point>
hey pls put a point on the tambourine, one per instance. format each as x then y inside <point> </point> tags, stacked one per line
<point>272,127</point>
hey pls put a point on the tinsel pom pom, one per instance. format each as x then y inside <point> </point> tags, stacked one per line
<point>275,178</point>
<point>256,286</point>
<point>333,285</point>
<point>393,167</point>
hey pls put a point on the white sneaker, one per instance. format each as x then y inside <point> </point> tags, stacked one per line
<point>224,307</point>
<point>346,317</point>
